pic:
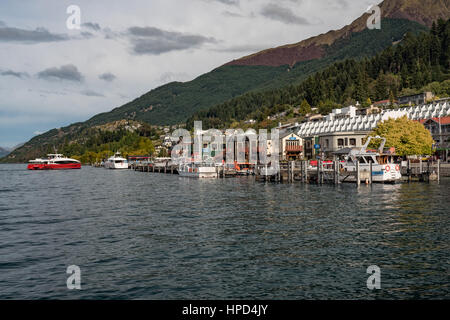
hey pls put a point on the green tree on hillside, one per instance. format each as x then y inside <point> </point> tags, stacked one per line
<point>407,136</point>
<point>305,108</point>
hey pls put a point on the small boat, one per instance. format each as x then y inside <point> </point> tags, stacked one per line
<point>54,162</point>
<point>116,162</point>
<point>197,170</point>
<point>383,167</point>
<point>243,169</point>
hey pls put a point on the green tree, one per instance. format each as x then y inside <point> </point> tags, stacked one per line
<point>305,108</point>
<point>408,137</point>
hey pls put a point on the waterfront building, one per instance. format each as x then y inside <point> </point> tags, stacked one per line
<point>291,146</point>
<point>416,99</point>
<point>373,109</point>
<point>440,130</point>
<point>382,103</point>
<point>344,127</point>
<point>335,141</point>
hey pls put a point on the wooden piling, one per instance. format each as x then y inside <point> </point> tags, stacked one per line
<point>371,172</point>
<point>438,170</point>
<point>318,171</point>
<point>291,171</point>
<point>358,177</point>
<point>409,170</point>
<point>305,168</point>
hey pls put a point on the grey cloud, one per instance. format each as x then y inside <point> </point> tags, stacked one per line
<point>9,34</point>
<point>343,4</point>
<point>2,24</point>
<point>86,34</point>
<point>171,76</point>
<point>107,76</point>
<point>154,41</point>
<point>229,2</point>
<point>232,14</point>
<point>20,75</point>
<point>110,34</point>
<point>91,93</point>
<point>282,14</point>
<point>92,26</point>
<point>67,72</point>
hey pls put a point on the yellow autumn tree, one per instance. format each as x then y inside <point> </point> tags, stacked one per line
<point>407,136</point>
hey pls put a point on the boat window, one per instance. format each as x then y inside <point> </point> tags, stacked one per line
<point>362,160</point>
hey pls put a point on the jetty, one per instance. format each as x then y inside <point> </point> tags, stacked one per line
<point>318,172</point>
<point>171,168</point>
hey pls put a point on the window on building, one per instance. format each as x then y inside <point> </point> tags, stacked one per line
<point>340,142</point>
<point>327,143</point>
<point>346,141</point>
<point>353,142</point>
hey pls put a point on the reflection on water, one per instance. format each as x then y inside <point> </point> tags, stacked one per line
<point>155,236</point>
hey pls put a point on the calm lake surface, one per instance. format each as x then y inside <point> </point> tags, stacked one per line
<point>155,236</point>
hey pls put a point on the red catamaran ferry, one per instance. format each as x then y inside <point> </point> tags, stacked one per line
<point>54,162</point>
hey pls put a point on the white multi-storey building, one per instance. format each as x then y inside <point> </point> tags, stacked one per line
<point>344,128</point>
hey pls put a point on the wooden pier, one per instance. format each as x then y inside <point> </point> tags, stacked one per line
<point>323,173</point>
<point>333,173</point>
<point>169,168</point>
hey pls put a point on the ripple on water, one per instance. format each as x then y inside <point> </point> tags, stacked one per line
<point>138,235</point>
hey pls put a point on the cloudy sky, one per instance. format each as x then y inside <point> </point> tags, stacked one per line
<point>51,76</point>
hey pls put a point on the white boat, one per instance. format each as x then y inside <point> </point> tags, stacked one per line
<point>383,167</point>
<point>116,162</point>
<point>195,170</point>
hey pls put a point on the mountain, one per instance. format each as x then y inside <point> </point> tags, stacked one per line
<point>277,67</point>
<point>266,70</point>
<point>4,151</point>
<point>417,64</point>
<point>424,12</point>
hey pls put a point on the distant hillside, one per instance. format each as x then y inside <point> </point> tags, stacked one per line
<point>82,141</point>
<point>4,152</point>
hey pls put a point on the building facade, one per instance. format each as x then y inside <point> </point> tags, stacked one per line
<point>291,146</point>
<point>440,131</point>
<point>416,99</point>
<point>335,141</point>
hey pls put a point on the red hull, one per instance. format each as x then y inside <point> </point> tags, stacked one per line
<point>42,166</point>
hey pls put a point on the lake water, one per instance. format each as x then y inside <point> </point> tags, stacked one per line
<point>154,236</point>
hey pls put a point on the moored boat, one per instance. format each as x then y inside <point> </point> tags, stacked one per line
<point>384,169</point>
<point>197,170</point>
<point>116,162</point>
<point>54,162</point>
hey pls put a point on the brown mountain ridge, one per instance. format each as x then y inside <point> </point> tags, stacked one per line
<point>421,11</point>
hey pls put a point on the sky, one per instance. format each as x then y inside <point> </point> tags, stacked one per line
<point>52,75</point>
